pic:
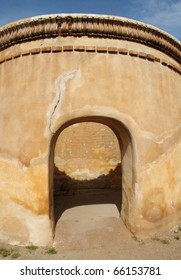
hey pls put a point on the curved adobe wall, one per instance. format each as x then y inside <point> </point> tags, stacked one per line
<point>62,69</point>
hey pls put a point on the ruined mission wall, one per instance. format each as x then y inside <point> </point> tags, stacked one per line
<point>57,71</point>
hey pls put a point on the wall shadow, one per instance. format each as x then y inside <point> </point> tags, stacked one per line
<point>68,192</point>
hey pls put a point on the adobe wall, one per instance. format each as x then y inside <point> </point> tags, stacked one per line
<point>60,70</point>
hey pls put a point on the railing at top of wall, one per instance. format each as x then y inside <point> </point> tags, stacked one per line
<point>90,26</point>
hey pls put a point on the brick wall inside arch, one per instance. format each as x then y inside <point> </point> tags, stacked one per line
<point>85,151</point>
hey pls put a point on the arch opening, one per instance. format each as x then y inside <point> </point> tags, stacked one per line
<point>91,170</point>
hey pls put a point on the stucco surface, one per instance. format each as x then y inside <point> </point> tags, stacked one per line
<point>41,93</point>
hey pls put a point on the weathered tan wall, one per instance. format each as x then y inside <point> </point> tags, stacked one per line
<point>40,92</point>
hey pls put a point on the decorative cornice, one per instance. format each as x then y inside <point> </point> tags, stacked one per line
<point>90,26</point>
<point>92,49</point>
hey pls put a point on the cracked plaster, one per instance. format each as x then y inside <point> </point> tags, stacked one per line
<point>41,93</point>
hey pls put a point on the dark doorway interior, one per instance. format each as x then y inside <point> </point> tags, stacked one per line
<point>105,189</point>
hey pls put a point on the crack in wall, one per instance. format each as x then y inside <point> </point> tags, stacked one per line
<point>60,88</point>
<point>53,112</point>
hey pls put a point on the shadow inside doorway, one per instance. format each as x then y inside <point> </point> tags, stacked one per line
<point>69,193</point>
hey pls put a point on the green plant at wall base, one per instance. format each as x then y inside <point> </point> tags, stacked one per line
<point>176,237</point>
<point>137,239</point>
<point>51,251</point>
<point>179,227</point>
<point>31,247</point>
<point>163,241</point>
<point>156,239</point>
<point>5,252</point>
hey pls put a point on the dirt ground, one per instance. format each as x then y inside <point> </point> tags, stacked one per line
<point>96,232</point>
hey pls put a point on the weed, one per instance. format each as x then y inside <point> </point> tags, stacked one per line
<point>179,227</point>
<point>135,238</point>
<point>5,252</point>
<point>51,251</point>
<point>176,237</point>
<point>31,247</point>
<point>156,238</point>
<point>164,241</point>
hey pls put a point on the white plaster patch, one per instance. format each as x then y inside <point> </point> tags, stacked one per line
<point>172,203</point>
<point>161,138</point>
<point>41,159</point>
<point>86,174</point>
<point>19,226</point>
<point>55,108</point>
<point>162,159</point>
<point>5,158</point>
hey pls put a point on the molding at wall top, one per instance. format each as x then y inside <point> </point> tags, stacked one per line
<point>97,26</point>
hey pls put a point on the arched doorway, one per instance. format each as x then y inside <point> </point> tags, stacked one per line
<point>78,180</point>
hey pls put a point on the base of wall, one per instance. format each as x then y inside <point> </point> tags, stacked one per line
<point>19,226</point>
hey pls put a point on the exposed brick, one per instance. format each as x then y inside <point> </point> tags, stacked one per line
<point>87,144</point>
<point>79,48</point>
<point>150,57</point>
<point>176,68</point>
<point>91,26</point>
<point>90,49</point>
<point>35,51</point>
<point>46,49</point>
<point>2,59</point>
<point>8,57</point>
<point>123,51</point>
<point>102,49</point>
<point>133,53</point>
<point>112,50</point>
<point>68,48</point>
<point>56,49</point>
<point>142,55</point>
<point>26,52</point>
<point>157,59</point>
<point>171,66</point>
<point>17,54</point>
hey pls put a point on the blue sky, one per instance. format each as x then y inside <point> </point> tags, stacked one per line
<point>164,14</point>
